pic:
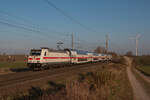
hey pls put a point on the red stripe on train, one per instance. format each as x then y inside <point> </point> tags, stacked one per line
<point>56,57</point>
<point>32,58</point>
<point>37,58</point>
<point>29,58</point>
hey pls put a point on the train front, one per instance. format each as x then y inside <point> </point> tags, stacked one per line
<point>34,58</point>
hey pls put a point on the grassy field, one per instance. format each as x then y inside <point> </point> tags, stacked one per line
<point>16,64</point>
<point>143,64</point>
<point>13,61</point>
<point>145,69</point>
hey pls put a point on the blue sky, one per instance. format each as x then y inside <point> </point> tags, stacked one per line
<point>120,19</point>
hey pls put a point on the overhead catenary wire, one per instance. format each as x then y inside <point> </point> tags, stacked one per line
<point>22,35</point>
<point>5,22</point>
<point>40,33</point>
<point>27,29</point>
<point>17,17</point>
<point>114,45</point>
<point>33,25</point>
<point>42,37</point>
<point>20,27</point>
<point>69,16</point>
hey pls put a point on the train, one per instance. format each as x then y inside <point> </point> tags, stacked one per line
<point>45,58</point>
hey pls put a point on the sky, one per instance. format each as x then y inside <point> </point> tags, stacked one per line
<point>26,24</point>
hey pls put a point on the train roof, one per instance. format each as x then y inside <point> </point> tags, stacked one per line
<point>35,49</point>
<point>79,51</point>
<point>95,54</point>
<point>76,50</point>
<point>84,52</point>
<point>49,49</point>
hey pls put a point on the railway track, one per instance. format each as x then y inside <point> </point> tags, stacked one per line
<point>23,77</point>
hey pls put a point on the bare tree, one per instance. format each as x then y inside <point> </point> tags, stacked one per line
<point>129,53</point>
<point>100,49</point>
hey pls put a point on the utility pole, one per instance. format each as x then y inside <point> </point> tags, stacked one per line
<point>72,41</point>
<point>59,44</point>
<point>106,43</point>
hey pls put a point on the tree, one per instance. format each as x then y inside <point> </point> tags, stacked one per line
<point>129,53</point>
<point>100,49</point>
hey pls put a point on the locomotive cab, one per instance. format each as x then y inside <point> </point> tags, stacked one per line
<point>34,58</point>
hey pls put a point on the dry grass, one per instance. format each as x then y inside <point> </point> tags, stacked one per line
<point>107,83</point>
<point>11,58</point>
<point>13,61</point>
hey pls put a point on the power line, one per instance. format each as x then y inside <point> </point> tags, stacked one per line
<point>69,16</point>
<point>32,27</point>
<point>31,24</point>
<point>17,17</point>
<point>27,28</point>
<point>114,45</point>
<point>22,35</point>
<point>21,27</point>
<point>40,33</point>
<point>37,31</point>
<point>5,22</point>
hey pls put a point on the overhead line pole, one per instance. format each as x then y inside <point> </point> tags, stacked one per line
<point>106,43</point>
<point>72,41</point>
<point>50,3</point>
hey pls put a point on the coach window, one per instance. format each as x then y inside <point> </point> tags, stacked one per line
<point>45,54</point>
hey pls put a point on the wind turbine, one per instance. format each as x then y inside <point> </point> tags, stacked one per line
<point>136,38</point>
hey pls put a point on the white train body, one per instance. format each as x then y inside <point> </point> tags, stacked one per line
<point>45,57</point>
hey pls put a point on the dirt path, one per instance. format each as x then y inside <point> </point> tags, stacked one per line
<point>139,92</point>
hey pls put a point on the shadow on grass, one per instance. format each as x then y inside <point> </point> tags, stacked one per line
<point>146,74</point>
<point>20,69</point>
<point>36,93</point>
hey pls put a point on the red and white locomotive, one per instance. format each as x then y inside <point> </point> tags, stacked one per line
<point>44,58</point>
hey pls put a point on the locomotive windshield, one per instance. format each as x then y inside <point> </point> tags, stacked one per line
<point>35,52</point>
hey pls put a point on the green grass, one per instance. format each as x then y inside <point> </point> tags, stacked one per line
<point>145,69</point>
<point>17,64</point>
<point>142,63</point>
